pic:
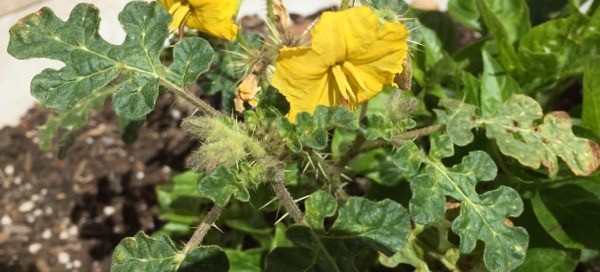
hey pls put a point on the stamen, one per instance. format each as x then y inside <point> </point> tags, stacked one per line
<point>353,72</point>
<point>343,85</point>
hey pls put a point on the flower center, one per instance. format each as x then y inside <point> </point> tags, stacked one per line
<point>346,77</point>
<point>180,14</point>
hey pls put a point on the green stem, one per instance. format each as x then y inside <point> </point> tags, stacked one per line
<point>202,229</point>
<point>284,196</point>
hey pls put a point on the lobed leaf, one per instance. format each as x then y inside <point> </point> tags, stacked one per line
<point>221,185</point>
<point>515,129</point>
<point>383,226</point>
<point>72,120</point>
<point>375,126</point>
<point>143,253</point>
<point>312,130</point>
<point>91,63</point>
<point>426,243</point>
<point>481,215</point>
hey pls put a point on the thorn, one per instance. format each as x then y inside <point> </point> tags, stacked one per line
<point>215,226</point>
<point>280,219</point>
<point>267,204</point>
<point>345,177</point>
<point>300,199</point>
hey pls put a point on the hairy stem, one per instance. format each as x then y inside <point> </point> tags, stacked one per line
<point>363,110</point>
<point>192,99</point>
<point>284,196</point>
<point>202,229</point>
<point>331,173</point>
<point>420,132</point>
<point>398,140</point>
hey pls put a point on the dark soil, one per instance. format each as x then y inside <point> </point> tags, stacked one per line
<point>68,215</point>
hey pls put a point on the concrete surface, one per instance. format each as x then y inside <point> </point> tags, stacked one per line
<point>15,75</point>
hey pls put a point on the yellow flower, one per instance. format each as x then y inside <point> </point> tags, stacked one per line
<point>350,60</point>
<point>214,17</point>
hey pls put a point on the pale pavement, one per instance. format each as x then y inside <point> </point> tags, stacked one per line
<point>15,75</point>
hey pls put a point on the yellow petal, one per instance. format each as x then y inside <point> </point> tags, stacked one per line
<point>383,60</point>
<point>325,93</point>
<point>179,15</point>
<point>338,34</point>
<point>215,17</point>
<point>298,72</point>
<point>350,60</point>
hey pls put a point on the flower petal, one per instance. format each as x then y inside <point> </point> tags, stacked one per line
<point>302,77</point>
<point>378,66</point>
<point>339,34</point>
<point>214,17</point>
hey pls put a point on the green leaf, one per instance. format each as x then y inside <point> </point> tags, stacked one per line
<point>516,129</point>
<point>221,185</point>
<point>377,165</point>
<point>569,212</point>
<point>514,15</point>
<point>91,63</point>
<point>556,50</point>
<point>549,260</point>
<point>312,130</point>
<point>497,86</point>
<point>375,126</point>
<point>143,253</point>
<point>459,122</point>
<point>501,30</point>
<point>319,206</point>
<point>245,261</point>
<point>180,203</point>
<point>72,120</point>
<point>465,12</point>
<point>425,245</point>
<point>591,98</point>
<point>129,129</point>
<point>481,215</point>
<point>383,226</point>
